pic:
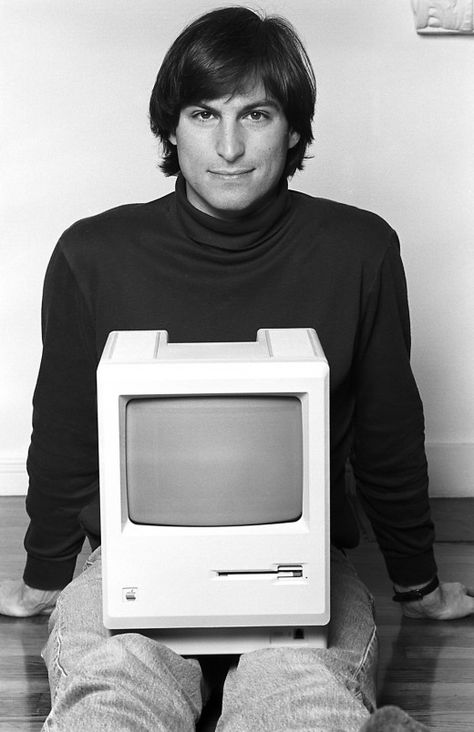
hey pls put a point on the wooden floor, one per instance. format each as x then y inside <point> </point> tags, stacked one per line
<point>425,667</point>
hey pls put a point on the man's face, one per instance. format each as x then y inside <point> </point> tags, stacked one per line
<point>232,151</point>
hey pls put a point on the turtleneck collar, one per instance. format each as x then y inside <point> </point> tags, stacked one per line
<point>232,234</point>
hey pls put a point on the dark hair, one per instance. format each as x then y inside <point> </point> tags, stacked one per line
<point>223,52</point>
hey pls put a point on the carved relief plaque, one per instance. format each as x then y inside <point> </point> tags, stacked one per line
<point>444,16</point>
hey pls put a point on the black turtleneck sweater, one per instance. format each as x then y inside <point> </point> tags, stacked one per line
<point>299,262</point>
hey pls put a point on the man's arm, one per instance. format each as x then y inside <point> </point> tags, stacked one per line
<point>389,456</point>
<point>62,459</point>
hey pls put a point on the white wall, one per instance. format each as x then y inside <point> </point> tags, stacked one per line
<point>394,134</point>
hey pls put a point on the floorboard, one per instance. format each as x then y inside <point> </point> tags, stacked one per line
<point>426,667</point>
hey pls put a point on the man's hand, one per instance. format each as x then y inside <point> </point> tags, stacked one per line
<point>449,601</point>
<point>21,601</point>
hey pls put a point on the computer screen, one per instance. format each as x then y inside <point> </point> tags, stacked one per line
<point>214,460</point>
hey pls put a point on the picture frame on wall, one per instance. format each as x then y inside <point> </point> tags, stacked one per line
<point>444,16</point>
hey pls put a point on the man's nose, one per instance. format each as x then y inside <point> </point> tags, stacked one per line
<point>230,143</point>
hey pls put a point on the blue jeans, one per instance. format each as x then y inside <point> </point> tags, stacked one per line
<point>101,682</point>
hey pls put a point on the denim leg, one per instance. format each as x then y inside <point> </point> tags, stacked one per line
<point>107,682</point>
<point>305,690</point>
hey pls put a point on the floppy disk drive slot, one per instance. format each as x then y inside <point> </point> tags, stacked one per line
<point>281,571</point>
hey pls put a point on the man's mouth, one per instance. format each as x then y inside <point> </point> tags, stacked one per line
<point>231,174</point>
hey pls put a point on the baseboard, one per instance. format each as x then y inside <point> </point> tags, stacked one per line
<point>453,518</point>
<point>451,468</point>
<point>13,477</point>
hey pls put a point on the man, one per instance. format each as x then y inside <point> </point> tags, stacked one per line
<point>232,250</point>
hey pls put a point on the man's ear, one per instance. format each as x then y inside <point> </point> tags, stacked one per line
<point>172,138</point>
<point>293,139</point>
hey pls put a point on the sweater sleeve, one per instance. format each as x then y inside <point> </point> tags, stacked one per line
<point>389,455</point>
<point>62,459</point>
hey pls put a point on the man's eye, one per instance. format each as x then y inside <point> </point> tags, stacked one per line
<point>258,116</point>
<point>203,115</point>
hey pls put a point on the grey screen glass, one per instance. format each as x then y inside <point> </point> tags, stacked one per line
<point>214,460</point>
